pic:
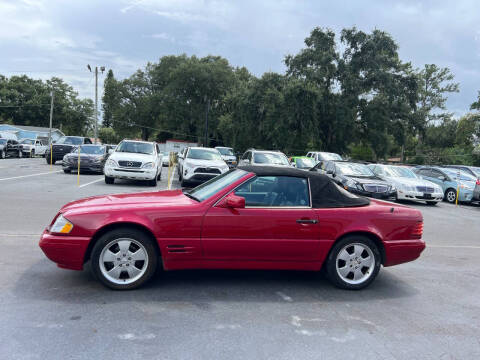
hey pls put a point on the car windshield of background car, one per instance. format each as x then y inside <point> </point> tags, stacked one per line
<point>202,154</point>
<point>397,171</point>
<point>351,169</point>
<point>270,158</point>
<point>92,150</point>
<point>135,147</point>
<point>305,163</point>
<point>68,140</point>
<point>463,176</point>
<point>226,151</point>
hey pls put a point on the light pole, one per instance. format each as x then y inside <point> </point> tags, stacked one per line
<point>102,69</point>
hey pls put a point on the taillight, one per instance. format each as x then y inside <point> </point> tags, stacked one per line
<point>417,230</point>
<point>478,182</point>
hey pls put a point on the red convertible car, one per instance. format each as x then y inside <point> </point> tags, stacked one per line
<point>248,218</point>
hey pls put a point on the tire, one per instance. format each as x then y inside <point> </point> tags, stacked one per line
<point>184,183</point>
<point>153,182</point>
<point>66,171</point>
<point>32,153</point>
<point>3,155</point>
<point>125,244</point>
<point>353,248</point>
<point>431,203</point>
<point>47,158</point>
<point>20,154</point>
<point>109,180</point>
<point>451,196</point>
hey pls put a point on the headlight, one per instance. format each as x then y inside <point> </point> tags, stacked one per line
<point>97,160</point>
<point>148,165</point>
<point>393,188</point>
<point>350,184</point>
<point>188,165</point>
<point>225,168</point>
<point>61,225</point>
<point>112,162</point>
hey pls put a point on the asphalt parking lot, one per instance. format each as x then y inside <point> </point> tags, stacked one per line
<point>427,309</point>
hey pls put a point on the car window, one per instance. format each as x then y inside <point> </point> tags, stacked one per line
<point>304,163</point>
<point>204,154</point>
<point>275,191</point>
<point>270,158</point>
<point>135,147</point>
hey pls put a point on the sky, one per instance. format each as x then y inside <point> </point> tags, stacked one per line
<point>45,38</point>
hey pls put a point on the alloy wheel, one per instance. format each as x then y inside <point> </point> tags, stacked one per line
<point>355,263</point>
<point>123,261</point>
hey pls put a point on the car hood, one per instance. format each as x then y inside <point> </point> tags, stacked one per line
<point>206,163</point>
<point>159,198</point>
<point>82,156</point>
<point>119,156</point>
<point>409,181</point>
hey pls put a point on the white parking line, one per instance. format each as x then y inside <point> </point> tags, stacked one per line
<point>91,182</point>
<point>454,246</point>
<point>24,176</point>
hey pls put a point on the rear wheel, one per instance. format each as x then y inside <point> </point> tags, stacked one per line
<point>66,171</point>
<point>353,262</point>
<point>451,196</point>
<point>3,155</point>
<point>124,259</point>
<point>109,180</point>
<point>49,159</point>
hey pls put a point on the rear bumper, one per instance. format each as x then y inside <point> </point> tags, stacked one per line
<point>402,251</point>
<point>67,251</point>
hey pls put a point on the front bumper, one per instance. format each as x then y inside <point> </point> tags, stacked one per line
<point>402,251</point>
<point>131,174</point>
<point>92,167</point>
<point>67,251</point>
<point>418,196</point>
<point>465,195</point>
<point>389,195</point>
<point>199,177</point>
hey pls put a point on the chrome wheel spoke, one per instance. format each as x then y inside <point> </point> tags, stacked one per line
<point>115,272</point>
<point>344,271</point>
<point>138,255</point>
<point>367,262</point>
<point>357,274</point>
<point>109,256</point>
<point>124,245</point>
<point>358,250</point>
<point>343,255</point>
<point>133,271</point>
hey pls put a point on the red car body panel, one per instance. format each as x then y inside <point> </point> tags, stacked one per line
<point>205,235</point>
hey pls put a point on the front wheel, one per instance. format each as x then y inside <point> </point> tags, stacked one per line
<point>66,171</point>
<point>353,262</point>
<point>124,259</point>
<point>2,154</point>
<point>109,180</point>
<point>451,196</point>
<point>153,182</point>
<point>20,154</point>
<point>32,153</point>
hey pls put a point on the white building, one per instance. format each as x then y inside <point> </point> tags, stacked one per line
<point>173,145</point>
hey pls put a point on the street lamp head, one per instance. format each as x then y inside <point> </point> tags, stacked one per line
<point>89,68</point>
<point>102,68</point>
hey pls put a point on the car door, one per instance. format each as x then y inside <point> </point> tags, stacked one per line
<point>246,158</point>
<point>277,223</point>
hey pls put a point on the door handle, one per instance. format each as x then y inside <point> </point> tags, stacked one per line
<point>306,221</point>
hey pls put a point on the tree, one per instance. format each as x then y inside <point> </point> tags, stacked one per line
<point>110,99</point>
<point>476,105</point>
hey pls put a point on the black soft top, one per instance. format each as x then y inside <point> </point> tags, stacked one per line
<point>325,194</point>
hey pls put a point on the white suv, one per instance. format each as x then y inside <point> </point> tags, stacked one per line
<point>263,157</point>
<point>201,164</point>
<point>134,160</point>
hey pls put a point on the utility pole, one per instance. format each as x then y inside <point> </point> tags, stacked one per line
<point>51,117</point>
<point>102,69</point>
<point>206,123</point>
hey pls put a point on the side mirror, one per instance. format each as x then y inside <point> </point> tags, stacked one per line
<point>233,201</point>
<point>110,151</point>
<point>329,172</point>
<point>442,178</point>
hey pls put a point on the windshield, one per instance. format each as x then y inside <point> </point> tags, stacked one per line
<point>455,173</point>
<point>397,171</point>
<point>3,141</point>
<point>213,186</point>
<point>91,149</point>
<point>28,141</point>
<point>225,151</point>
<point>476,170</point>
<point>304,163</point>
<point>270,158</point>
<point>329,156</point>
<point>135,147</point>
<point>352,169</point>
<point>204,154</point>
<point>70,140</point>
